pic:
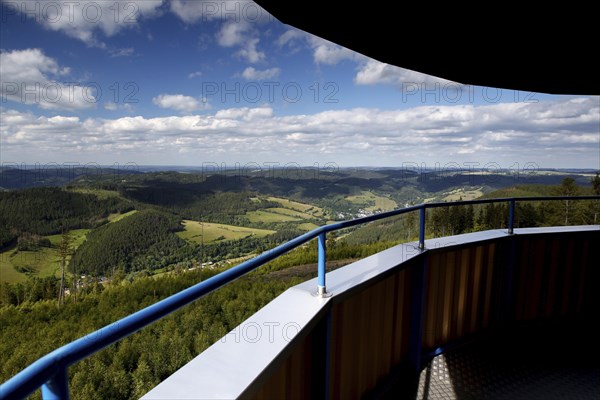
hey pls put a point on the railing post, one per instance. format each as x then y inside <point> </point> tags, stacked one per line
<point>422,227</point>
<point>57,388</point>
<point>511,216</point>
<point>322,246</point>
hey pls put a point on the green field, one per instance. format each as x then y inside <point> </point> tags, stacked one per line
<point>307,226</point>
<point>7,271</point>
<point>380,202</point>
<point>194,231</point>
<point>294,205</point>
<point>463,194</point>
<point>100,193</point>
<point>118,217</point>
<point>41,263</point>
<point>268,217</point>
<point>291,213</point>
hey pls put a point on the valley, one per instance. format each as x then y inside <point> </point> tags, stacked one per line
<point>213,217</point>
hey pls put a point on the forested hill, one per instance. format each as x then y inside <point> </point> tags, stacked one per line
<point>130,368</point>
<point>196,203</point>
<point>445,221</point>
<point>15,176</point>
<point>182,190</point>
<point>47,211</point>
<point>143,240</point>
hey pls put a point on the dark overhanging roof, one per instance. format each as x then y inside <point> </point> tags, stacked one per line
<point>498,45</point>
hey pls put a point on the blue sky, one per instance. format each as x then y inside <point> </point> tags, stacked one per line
<point>191,82</point>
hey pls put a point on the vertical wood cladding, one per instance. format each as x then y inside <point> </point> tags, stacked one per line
<point>555,276</point>
<point>378,315</point>
<point>462,293</point>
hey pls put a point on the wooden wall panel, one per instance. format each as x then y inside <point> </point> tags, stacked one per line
<point>363,334</point>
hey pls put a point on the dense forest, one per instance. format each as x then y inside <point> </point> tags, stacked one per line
<point>145,240</point>
<point>128,369</point>
<point>453,220</point>
<point>46,211</point>
<point>222,207</point>
<point>133,366</point>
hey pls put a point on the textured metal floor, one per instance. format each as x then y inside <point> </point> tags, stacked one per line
<point>466,374</point>
<point>528,365</point>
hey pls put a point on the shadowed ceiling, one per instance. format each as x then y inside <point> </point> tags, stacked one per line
<point>498,45</point>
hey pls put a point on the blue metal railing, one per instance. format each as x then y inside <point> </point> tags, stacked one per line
<point>50,371</point>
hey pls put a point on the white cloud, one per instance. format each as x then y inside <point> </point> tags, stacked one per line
<point>191,11</point>
<point>374,72</point>
<point>326,52</point>
<point>561,133</point>
<point>369,71</point>
<point>124,52</point>
<point>289,37</point>
<point>180,102</point>
<point>245,113</point>
<point>110,106</point>
<point>243,35</point>
<point>29,65</point>
<point>195,74</point>
<point>84,18</point>
<point>237,30</point>
<point>29,76</point>
<point>253,74</point>
<point>250,53</point>
<point>233,33</point>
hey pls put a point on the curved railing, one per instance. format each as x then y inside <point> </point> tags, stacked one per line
<point>50,371</point>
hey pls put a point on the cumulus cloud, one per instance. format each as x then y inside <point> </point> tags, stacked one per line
<point>250,53</point>
<point>29,76</point>
<point>561,133</point>
<point>374,72</point>
<point>83,19</point>
<point>179,102</point>
<point>191,11</point>
<point>243,35</point>
<point>110,106</point>
<point>324,51</point>
<point>253,74</point>
<point>369,71</point>
<point>290,37</point>
<point>239,19</point>
<point>233,33</point>
<point>245,113</point>
<point>195,74</point>
<point>237,30</point>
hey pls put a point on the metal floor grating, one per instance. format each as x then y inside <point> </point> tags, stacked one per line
<point>465,374</point>
<point>531,364</point>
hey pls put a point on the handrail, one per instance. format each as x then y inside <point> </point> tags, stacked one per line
<point>50,371</point>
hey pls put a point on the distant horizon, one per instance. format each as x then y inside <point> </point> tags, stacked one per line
<point>329,167</point>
